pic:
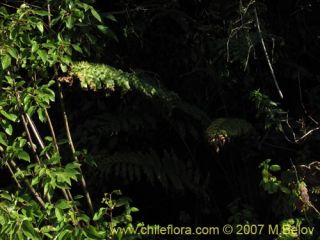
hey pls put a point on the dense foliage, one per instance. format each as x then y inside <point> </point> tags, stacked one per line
<point>203,112</point>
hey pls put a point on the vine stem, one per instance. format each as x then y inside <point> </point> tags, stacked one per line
<point>266,54</point>
<point>71,145</point>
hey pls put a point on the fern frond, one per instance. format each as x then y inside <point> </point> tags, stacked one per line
<point>221,130</point>
<point>193,112</point>
<point>167,170</point>
<point>94,77</point>
<point>229,127</point>
<point>107,124</point>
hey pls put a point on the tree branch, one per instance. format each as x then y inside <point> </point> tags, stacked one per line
<point>71,145</point>
<point>267,55</point>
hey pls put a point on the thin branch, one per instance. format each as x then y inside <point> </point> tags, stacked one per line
<point>9,6</point>
<point>71,145</point>
<point>55,142</point>
<point>49,15</point>
<point>67,192</point>
<point>151,7</point>
<point>25,125</point>
<point>40,141</point>
<point>299,139</point>
<point>36,133</point>
<point>13,176</point>
<point>31,189</point>
<point>266,54</point>
<point>307,134</point>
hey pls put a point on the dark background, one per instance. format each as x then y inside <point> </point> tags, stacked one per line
<point>182,46</point>
<point>159,153</point>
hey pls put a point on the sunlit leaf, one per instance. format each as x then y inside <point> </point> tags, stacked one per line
<point>13,52</point>
<point>40,27</point>
<point>43,55</point>
<point>275,168</point>
<point>9,116</point>
<point>95,14</point>
<point>5,61</point>
<point>8,129</point>
<point>70,22</point>
<point>3,139</point>
<point>104,29</point>
<point>77,48</point>
<point>23,155</point>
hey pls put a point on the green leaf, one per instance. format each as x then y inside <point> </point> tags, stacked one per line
<point>66,59</point>
<point>66,175</point>
<point>35,180</point>
<point>62,204</point>
<point>8,129</point>
<point>65,234</point>
<point>31,110</point>
<point>5,195</point>
<point>93,233</point>
<point>110,17</point>
<point>275,168</point>
<point>3,11</point>
<point>98,215</point>
<point>122,201</point>
<point>128,217</point>
<point>63,67</point>
<point>285,189</point>
<point>28,230</point>
<point>43,55</point>
<point>34,47</point>
<point>104,29</point>
<point>134,209</point>
<point>95,14</point>
<point>5,61</point>
<point>13,52</point>
<point>265,174</point>
<point>9,116</point>
<point>23,155</point>
<point>84,218</point>
<point>41,115</point>
<point>59,214</point>
<point>3,139</point>
<point>77,48</point>
<point>41,13</point>
<point>55,159</point>
<point>77,197</point>
<point>40,26</point>
<point>22,142</point>
<point>84,6</point>
<point>70,22</point>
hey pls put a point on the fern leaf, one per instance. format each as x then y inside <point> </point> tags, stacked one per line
<point>168,170</point>
<point>95,77</point>
<point>228,127</point>
<point>103,77</point>
<point>222,130</point>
